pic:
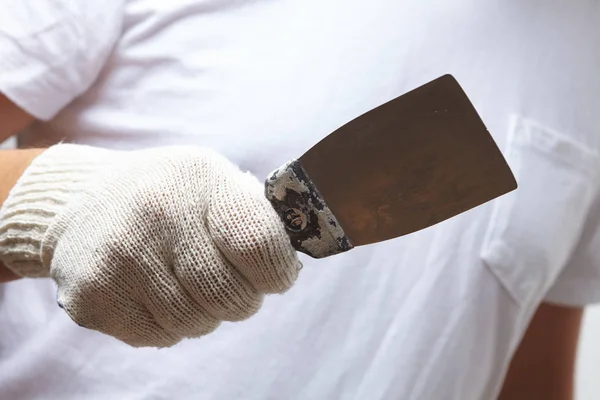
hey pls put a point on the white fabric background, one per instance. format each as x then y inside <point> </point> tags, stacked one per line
<point>419,317</point>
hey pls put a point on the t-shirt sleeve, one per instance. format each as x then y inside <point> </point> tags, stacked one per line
<point>51,51</point>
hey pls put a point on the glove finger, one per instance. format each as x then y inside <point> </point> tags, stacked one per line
<point>173,308</point>
<point>213,282</point>
<point>151,276</point>
<point>248,231</point>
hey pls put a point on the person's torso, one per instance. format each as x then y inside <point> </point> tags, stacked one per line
<point>262,81</point>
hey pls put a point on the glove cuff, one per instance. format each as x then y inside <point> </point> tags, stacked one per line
<point>38,196</point>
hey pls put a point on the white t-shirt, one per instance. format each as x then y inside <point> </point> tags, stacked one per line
<point>432,315</point>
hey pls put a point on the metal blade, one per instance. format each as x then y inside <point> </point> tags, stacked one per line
<point>406,165</point>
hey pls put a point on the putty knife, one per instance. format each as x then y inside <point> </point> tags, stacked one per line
<point>408,164</point>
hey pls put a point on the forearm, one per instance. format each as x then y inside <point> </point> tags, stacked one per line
<point>12,165</point>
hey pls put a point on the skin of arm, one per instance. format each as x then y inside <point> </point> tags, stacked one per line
<point>12,162</point>
<point>543,366</point>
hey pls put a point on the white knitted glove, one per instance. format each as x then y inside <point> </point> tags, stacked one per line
<point>148,246</point>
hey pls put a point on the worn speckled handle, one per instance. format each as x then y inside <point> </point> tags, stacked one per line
<point>311,226</point>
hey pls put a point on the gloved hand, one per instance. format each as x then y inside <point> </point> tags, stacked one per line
<point>149,246</point>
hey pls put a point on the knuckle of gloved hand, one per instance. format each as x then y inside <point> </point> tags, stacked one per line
<point>270,275</point>
<point>239,304</point>
<point>234,312</point>
<point>263,255</point>
<point>280,281</point>
<point>218,287</point>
